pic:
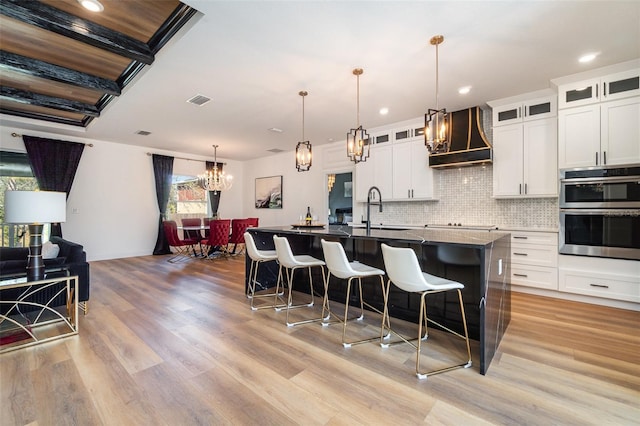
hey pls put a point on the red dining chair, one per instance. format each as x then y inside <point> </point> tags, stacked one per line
<point>218,240</point>
<point>181,246</point>
<point>238,228</point>
<point>194,234</point>
<point>205,223</point>
<point>254,221</point>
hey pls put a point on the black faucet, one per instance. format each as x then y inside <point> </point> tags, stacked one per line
<point>369,203</point>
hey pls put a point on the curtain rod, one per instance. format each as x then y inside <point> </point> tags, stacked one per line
<point>18,135</point>
<point>188,159</point>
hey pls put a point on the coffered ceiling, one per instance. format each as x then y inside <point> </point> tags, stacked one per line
<point>251,58</point>
<point>62,63</point>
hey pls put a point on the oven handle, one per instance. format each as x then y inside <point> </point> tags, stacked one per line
<point>628,179</point>
<point>603,212</point>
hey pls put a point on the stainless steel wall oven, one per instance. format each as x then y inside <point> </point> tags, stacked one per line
<point>600,212</point>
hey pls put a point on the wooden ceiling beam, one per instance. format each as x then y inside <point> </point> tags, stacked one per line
<point>11,94</point>
<point>33,67</point>
<point>57,21</point>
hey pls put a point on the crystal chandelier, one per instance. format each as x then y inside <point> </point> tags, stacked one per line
<point>215,179</point>
<point>358,138</point>
<point>436,121</point>
<point>303,149</point>
<point>331,180</point>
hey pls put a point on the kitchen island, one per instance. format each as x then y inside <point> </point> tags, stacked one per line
<point>478,259</point>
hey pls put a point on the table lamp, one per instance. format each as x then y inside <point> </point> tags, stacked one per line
<point>35,208</point>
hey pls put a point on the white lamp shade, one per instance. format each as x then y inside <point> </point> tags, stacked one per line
<point>35,207</point>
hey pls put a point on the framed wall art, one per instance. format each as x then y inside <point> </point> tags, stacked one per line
<point>269,192</point>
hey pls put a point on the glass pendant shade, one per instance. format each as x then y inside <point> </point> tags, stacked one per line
<point>358,145</point>
<point>436,128</point>
<point>303,156</point>
<point>303,149</point>
<point>358,138</point>
<point>437,121</point>
<point>215,179</point>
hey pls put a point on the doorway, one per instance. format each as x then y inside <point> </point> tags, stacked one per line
<point>340,198</point>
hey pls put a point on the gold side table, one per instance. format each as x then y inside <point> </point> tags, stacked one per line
<point>31,314</point>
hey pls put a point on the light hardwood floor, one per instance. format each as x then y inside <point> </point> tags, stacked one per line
<point>176,344</point>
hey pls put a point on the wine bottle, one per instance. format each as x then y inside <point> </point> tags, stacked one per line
<point>308,218</point>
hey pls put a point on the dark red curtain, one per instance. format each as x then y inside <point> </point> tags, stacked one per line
<point>163,173</point>
<point>54,164</point>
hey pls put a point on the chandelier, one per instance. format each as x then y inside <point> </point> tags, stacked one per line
<point>436,121</point>
<point>358,138</point>
<point>331,180</point>
<point>303,149</point>
<point>215,179</point>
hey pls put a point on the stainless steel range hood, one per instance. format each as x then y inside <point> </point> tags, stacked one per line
<point>469,144</point>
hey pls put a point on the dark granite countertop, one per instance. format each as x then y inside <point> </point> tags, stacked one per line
<point>450,236</point>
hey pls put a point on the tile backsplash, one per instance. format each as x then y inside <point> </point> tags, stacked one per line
<point>464,196</point>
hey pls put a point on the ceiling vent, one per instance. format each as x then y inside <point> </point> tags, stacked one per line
<point>275,150</point>
<point>199,100</point>
<point>143,133</point>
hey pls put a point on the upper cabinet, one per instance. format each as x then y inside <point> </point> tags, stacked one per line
<point>412,176</point>
<point>525,148</point>
<point>376,171</point>
<point>599,123</point>
<point>398,165</point>
<point>600,135</point>
<point>524,111</point>
<point>607,88</point>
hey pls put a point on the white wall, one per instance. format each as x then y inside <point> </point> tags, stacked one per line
<point>112,209</point>
<point>299,189</point>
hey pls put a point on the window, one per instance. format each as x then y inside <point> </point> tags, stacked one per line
<point>187,199</point>
<point>15,175</point>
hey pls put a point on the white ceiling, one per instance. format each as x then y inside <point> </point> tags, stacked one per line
<point>252,59</point>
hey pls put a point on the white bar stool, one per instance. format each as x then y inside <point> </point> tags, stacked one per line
<point>340,267</point>
<point>290,263</point>
<point>257,257</point>
<point>404,271</point>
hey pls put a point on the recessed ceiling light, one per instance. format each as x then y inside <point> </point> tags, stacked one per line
<point>587,58</point>
<point>143,133</point>
<point>464,90</point>
<point>384,111</point>
<point>92,5</point>
<point>275,130</point>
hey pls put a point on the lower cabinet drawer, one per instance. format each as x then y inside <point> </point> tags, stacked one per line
<point>534,254</point>
<point>534,276</point>
<point>618,287</point>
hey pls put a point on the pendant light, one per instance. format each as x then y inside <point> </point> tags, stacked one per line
<point>436,121</point>
<point>303,149</point>
<point>215,179</point>
<point>358,138</point>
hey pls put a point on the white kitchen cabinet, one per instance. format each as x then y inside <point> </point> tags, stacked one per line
<point>525,159</point>
<point>412,176</point>
<point>620,131</point>
<point>606,88</point>
<point>534,259</point>
<point>600,277</point>
<point>518,112</point>
<point>376,171</point>
<point>601,134</point>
